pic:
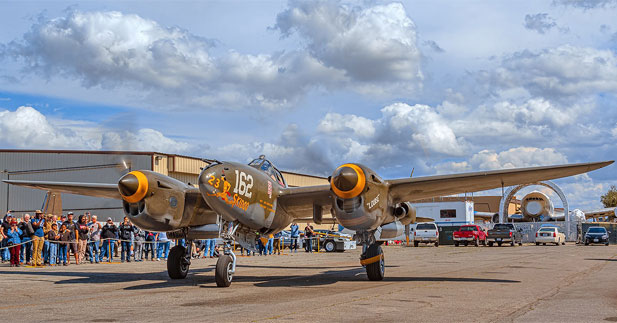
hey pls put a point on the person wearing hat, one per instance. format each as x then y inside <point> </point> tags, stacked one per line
<point>38,239</point>
<point>71,227</point>
<point>53,236</point>
<point>14,235</point>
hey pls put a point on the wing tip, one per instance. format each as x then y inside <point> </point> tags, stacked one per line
<point>598,165</point>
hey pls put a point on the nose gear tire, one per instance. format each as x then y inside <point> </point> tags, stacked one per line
<point>223,275</point>
<point>376,270</point>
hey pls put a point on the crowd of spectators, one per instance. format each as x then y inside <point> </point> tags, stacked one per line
<point>49,241</point>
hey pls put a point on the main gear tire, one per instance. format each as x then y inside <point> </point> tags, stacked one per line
<point>177,266</point>
<point>376,270</point>
<point>223,274</point>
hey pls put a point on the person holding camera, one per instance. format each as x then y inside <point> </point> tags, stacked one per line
<point>126,234</point>
<point>27,232</point>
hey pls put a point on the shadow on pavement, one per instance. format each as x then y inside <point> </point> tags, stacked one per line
<point>303,267</point>
<point>162,280</point>
<point>78,277</point>
<point>600,259</point>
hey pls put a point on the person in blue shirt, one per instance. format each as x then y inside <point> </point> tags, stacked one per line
<point>295,235</point>
<point>38,239</point>
<point>14,239</point>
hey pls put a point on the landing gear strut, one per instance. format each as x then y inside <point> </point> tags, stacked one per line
<point>226,265</point>
<point>372,257</point>
<point>179,261</point>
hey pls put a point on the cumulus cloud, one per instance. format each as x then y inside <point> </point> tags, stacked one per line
<point>586,4</point>
<point>564,71</point>
<point>294,151</point>
<point>614,131</point>
<point>368,44</point>
<point>420,126</point>
<point>335,123</point>
<point>540,22</point>
<point>26,127</point>
<point>373,46</point>
<point>112,49</point>
<point>143,139</point>
<point>539,111</point>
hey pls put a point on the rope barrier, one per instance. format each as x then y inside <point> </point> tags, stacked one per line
<point>87,241</point>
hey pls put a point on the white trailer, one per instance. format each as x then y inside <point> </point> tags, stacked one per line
<point>442,213</point>
<point>447,213</point>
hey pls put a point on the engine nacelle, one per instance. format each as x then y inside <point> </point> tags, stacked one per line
<point>156,202</point>
<point>405,213</point>
<point>360,200</point>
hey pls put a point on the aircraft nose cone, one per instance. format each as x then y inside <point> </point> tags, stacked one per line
<point>534,207</point>
<point>128,185</point>
<point>345,179</point>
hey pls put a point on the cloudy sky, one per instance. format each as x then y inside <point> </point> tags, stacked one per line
<point>439,86</point>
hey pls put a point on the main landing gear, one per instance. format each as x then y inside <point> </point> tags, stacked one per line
<point>372,258</point>
<point>179,261</point>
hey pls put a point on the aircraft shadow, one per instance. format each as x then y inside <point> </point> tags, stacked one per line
<point>77,277</point>
<point>350,275</point>
<point>600,259</point>
<point>303,267</point>
<point>162,280</point>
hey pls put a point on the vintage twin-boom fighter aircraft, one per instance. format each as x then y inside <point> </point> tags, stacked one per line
<point>234,201</point>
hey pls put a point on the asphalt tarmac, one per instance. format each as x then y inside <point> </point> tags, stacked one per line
<point>427,284</point>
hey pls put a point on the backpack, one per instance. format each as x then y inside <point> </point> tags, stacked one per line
<point>149,236</point>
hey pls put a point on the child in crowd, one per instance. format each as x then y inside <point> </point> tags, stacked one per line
<point>65,238</point>
<point>53,236</point>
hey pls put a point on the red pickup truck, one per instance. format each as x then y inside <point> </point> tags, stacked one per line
<point>469,233</point>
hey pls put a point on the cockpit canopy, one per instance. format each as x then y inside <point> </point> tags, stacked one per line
<point>267,167</point>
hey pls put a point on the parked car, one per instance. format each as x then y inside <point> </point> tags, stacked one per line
<point>426,233</point>
<point>504,232</point>
<point>596,235</point>
<point>550,235</point>
<point>469,233</point>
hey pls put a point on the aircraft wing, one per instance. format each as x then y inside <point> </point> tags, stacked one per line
<point>88,189</point>
<point>601,213</point>
<point>412,189</point>
<point>299,201</point>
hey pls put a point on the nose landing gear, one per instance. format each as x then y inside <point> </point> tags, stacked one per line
<point>372,258</point>
<point>226,265</point>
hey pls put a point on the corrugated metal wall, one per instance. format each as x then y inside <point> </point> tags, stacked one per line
<point>296,180</point>
<point>65,167</point>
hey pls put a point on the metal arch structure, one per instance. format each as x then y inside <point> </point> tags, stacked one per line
<point>505,201</point>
